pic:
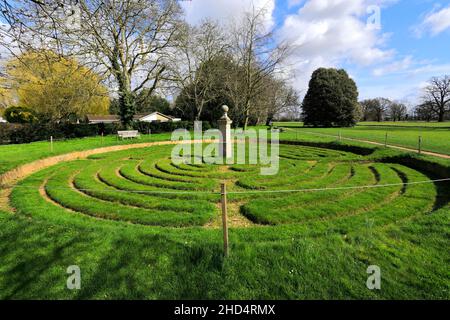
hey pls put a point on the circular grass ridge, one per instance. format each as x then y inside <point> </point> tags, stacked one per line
<point>143,186</point>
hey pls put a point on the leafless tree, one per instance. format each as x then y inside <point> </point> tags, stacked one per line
<point>437,95</point>
<point>397,111</point>
<point>257,56</point>
<point>283,99</point>
<point>196,61</point>
<point>424,111</point>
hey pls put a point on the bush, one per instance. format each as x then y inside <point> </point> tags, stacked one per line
<point>159,127</point>
<point>19,115</point>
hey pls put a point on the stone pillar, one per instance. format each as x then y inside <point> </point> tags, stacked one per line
<point>225,129</point>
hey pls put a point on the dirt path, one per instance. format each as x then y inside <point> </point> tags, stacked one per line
<point>429,153</point>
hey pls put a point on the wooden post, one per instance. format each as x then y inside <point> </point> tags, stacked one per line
<point>420,144</point>
<point>102,138</point>
<point>385,140</point>
<point>224,218</point>
<point>340,136</point>
<point>51,143</point>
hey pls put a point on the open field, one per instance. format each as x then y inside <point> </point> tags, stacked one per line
<point>417,124</point>
<point>434,137</point>
<point>141,227</point>
<point>15,155</point>
<point>383,124</point>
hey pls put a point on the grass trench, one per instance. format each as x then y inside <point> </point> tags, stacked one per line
<point>141,227</point>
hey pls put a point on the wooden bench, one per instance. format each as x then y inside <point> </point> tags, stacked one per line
<point>128,134</point>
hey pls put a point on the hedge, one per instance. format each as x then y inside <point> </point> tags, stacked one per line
<point>25,133</point>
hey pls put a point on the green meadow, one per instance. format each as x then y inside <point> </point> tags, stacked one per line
<point>435,136</point>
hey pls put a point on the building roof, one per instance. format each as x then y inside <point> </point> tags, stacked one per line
<point>140,116</point>
<point>114,118</point>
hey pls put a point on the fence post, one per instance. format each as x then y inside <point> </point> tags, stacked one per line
<point>102,138</point>
<point>420,144</point>
<point>51,143</point>
<point>385,140</point>
<point>224,218</point>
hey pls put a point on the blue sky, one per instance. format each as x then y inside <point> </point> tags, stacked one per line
<point>411,45</point>
<point>394,61</point>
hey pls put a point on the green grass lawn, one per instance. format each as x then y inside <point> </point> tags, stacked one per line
<point>142,227</point>
<point>12,156</point>
<point>407,124</point>
<point>435,136</point>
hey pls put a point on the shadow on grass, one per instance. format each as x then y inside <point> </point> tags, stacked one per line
<point>151,267</point>
<point>119,265</point>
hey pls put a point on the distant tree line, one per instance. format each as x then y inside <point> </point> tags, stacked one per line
<point>141,52</point>
<point>434,105</point>
<point>383,109</point>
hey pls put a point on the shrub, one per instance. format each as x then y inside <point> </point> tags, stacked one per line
<point>20,115</point>
<point>159,127</point>
<point>37,131</point>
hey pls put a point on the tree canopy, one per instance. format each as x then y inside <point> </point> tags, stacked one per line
<point>56,88</point>
<point>331,100</point>
<point>20,115</point>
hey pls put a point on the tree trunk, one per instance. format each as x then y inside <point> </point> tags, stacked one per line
<point>126,104</point>
<point>126,99</point>
<point>247,114</point>
<point>441,115</point>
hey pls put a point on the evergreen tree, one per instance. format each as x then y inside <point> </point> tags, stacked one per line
<point>331,100</point>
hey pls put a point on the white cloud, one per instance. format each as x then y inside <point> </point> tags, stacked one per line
<point>225,10</point>
<point>329,33</point>
<point>434,22</point>
<point>294,3</point>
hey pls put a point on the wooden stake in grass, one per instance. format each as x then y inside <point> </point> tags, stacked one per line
<point>385,140</point>
<point>51,143</point>
<point>224,218</point>
<point>420,144</point>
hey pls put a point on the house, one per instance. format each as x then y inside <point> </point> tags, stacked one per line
<point>3,120</point>
<point>155,116</point>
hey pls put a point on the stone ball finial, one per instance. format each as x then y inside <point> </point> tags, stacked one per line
<point>225,108</point>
